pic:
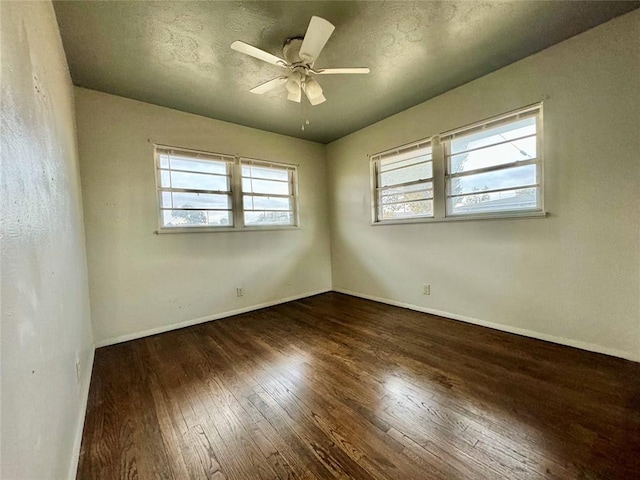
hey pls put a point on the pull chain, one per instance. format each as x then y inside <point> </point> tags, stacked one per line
<point>304,108</point>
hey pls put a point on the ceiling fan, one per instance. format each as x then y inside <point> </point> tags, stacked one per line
<point>300,54</point>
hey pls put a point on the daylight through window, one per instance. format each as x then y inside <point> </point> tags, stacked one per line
<point>404,182</point>
<point>268,193</point>
<point>194,189</point>
<point>486,170</point>
<point>207,191</point>
<point>494,167</point>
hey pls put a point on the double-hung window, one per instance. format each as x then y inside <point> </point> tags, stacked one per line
<point>403,182</point>
<point>201,191</point>
<point>194,188</point>
<point>490,169</point>
<point>494,167</point>
<point>268,190</point>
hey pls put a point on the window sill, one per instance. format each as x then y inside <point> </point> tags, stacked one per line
<point>464,218</point>
<point>162,231</point>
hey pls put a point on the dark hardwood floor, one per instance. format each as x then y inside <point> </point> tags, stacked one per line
<point>338,387</point>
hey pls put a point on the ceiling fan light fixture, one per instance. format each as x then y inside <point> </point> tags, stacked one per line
<point>293,82</point>
<point>294,95</point>
<point>294,87</point>
<point>312,88</point>
<point>317,100</point>
<point>313,91</point>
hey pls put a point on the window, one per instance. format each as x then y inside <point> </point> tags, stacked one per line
<point>404,182</point>
<point>268,193</point>
<point>194,189</point>
<point>200,191</point>
<point>486,170</point>
<point>494,167</point>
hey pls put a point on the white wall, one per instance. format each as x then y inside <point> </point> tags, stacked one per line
<point>141,282</point>
<point>45,300</point>
<point>573,277</point>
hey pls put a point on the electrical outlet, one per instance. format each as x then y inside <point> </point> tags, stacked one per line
<point>426,289</point>
<point>239,292</point>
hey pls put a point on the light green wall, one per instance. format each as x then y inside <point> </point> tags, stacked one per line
<point>45,298</point>
<point>143,283</point>
<point>573,277</point>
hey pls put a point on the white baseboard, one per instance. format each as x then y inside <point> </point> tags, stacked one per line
<point>84,398</point>
<point>217,316</point>
<point>591,347</point>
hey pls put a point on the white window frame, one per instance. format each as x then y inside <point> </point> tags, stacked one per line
<point>199,155</point>
<point>235,192</point>
<point>534,111</point>
<point>292,181</point>
<point>442,177</point>
<point>378,188</point>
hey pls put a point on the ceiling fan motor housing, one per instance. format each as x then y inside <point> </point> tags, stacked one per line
<point>291,51</point>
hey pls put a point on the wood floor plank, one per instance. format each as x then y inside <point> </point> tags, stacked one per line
<point>174,440</point>
<point>208,465</point>
<point>238,378</point>
<point>373,450</point>
<point>336,387</point>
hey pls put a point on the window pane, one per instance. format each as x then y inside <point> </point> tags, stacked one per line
<point>490,136</point>
<point>165,178</point>
<point>403,198</point>
<point>509,177</point>
<point>519,150</point>
<point>264,209</point>
<point>196,218</point>
<point>195,200</point>
<point>266,203</point>
<point>393,163</point>
<point>265,172</point>
<point>164,160</point>
<point>407,210</point>
<point>265,186</point>
<point>510,200</point>
<point>422,171</point>
<point>256,218</point>
<point>179,162</point>
<point>197,181</point>
<point>406,193</point>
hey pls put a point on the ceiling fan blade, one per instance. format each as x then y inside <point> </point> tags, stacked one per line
<point>333,71</point>
<point>318,33</point>
<point>269,85</point>
<point>247,49</point>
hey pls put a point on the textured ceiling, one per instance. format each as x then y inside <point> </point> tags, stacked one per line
<point>176,54</point>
